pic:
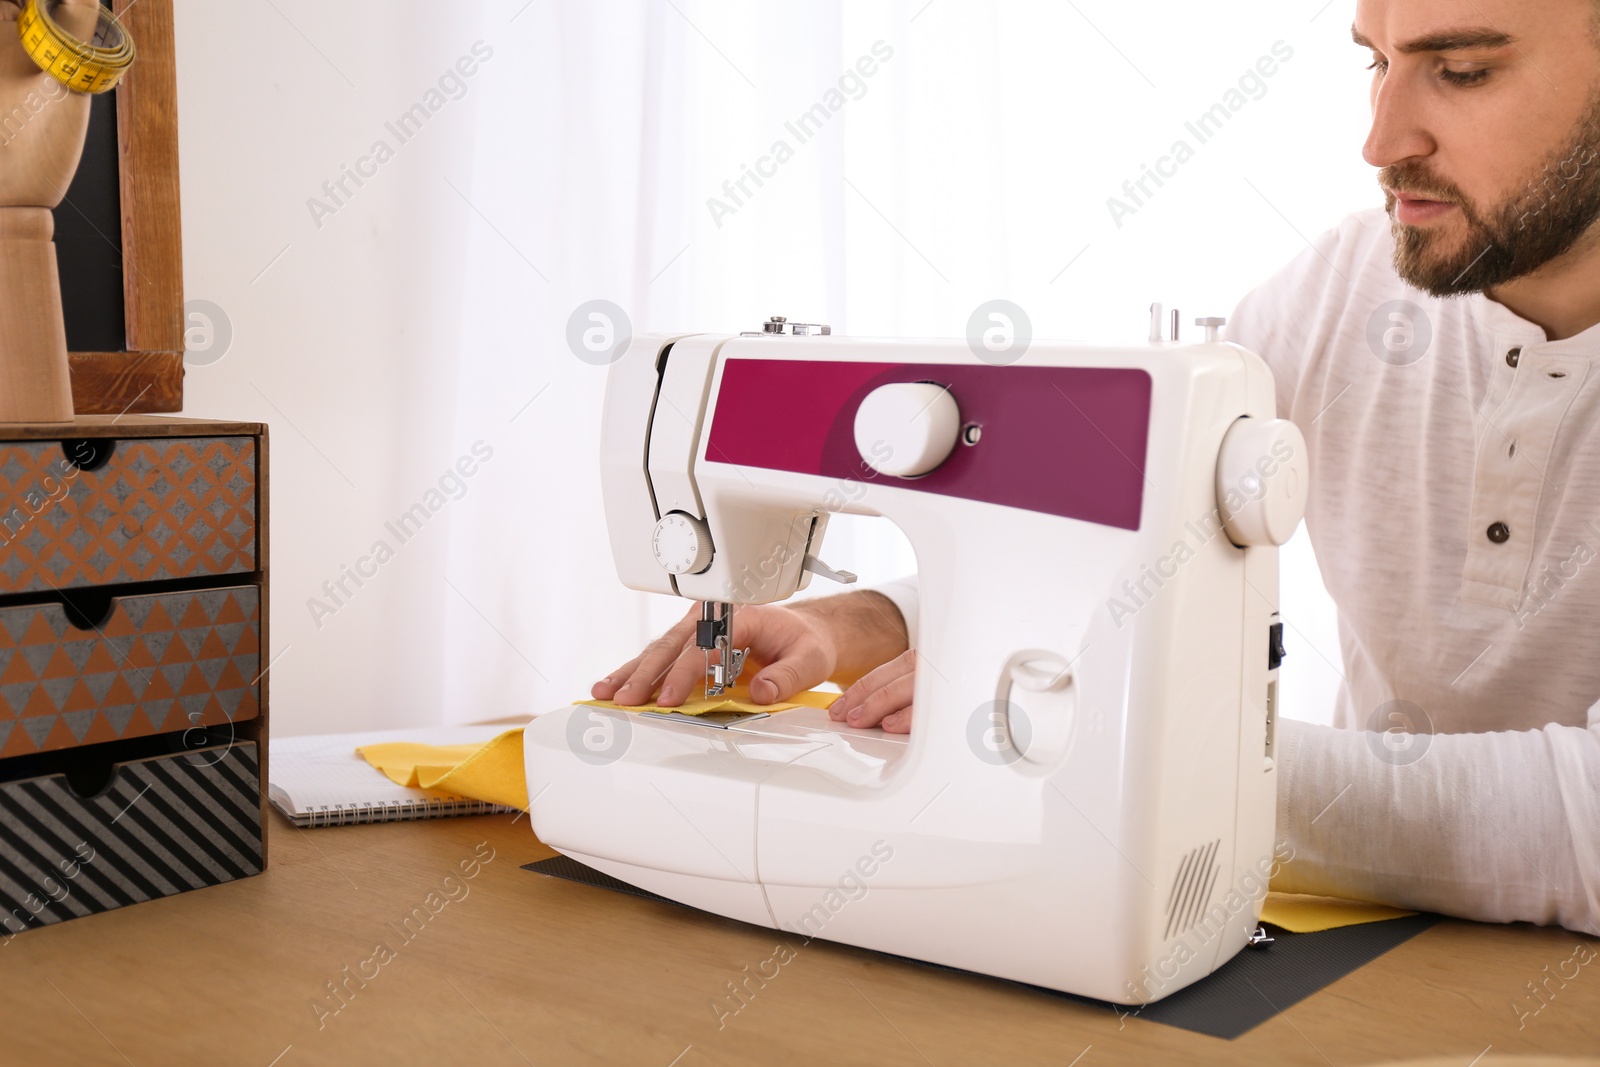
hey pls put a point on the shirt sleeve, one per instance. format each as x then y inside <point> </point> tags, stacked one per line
<point>1252,325</point>
<point>1497,827</point>
<point>903,593</point>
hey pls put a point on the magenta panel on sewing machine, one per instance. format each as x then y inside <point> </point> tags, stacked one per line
<point>1064,441</point>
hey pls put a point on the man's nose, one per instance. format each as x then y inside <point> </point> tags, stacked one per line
<point>1397,129</point>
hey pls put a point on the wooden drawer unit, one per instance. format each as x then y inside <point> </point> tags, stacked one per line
<point>133,694</point>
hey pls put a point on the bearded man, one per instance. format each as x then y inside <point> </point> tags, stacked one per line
<point>1438,356</point>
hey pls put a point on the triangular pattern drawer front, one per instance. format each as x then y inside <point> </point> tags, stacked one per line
<point>159,508</point>
<point>160,662</point>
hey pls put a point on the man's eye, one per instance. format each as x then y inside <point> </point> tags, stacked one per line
<point>1379,64</point>
<point>1464,77</point>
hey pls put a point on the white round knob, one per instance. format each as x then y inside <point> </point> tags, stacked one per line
<point>682,543</point>
<point>907,428</point>
<point>1262,478</point>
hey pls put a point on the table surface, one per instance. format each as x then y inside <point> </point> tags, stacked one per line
<point>511,967</point>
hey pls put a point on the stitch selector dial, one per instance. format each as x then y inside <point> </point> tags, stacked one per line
<point>682,543</point>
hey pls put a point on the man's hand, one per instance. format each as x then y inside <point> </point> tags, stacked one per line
<point>881,698</point>
<point>42,122</point>
<point>852,639</point>
<point>790,651</point>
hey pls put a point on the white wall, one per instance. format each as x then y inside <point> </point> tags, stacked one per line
<point>346,343</point>
<point>426,313</point>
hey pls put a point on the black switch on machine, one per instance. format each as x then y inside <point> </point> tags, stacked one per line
<point>1274,646</point>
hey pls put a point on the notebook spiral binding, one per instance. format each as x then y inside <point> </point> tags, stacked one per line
<point>398,810</point>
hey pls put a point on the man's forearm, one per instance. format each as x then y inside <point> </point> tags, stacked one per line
<point>1499,827</point>
<point>866,628</point>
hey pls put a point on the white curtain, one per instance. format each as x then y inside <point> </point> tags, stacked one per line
<point>934,155</point>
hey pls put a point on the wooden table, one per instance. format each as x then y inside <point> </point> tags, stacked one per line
<point>519,968</point>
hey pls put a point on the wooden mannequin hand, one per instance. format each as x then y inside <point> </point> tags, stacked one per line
<point>42,122</point>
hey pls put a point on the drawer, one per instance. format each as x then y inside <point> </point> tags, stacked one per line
<point>155,663</point>
<point>154,508</point>
<point>161,825</point>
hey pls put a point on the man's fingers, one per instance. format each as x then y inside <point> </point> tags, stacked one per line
<point>881,697</point>
<point>890,698</point>
<point>802,666</point>
<point>776,681</point>
<point>898,722</point>
<point>641,684</point>
<point>869,683</point>
<point>656,660</point>
<point>607,687</point>
<point>672,668</point>
<point>685,678</point>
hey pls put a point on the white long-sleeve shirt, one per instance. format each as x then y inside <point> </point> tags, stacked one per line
<point>1455,510</point>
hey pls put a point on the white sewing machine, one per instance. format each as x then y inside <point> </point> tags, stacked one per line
<point>1086,801</point>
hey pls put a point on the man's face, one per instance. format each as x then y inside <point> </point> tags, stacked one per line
<point>1486,122</point>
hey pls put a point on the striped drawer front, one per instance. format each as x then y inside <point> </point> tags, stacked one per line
<point>160,663</point>
<point>163,825</point>
<point>158,508</point>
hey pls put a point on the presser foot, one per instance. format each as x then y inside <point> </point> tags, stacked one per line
<point>724,674</point>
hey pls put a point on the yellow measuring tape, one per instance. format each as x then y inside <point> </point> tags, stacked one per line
<point>92,66</point>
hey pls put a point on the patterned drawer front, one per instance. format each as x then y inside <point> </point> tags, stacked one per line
<point>160,663</point>
<point>163,825</point>
<point>159,508</point>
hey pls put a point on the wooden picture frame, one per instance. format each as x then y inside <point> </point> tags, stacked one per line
<point>148,376</point>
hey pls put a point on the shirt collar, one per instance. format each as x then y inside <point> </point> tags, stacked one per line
<point>1509,328</point>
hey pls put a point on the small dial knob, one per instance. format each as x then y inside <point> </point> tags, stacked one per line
<point>682,543</point>
<point>1262,478</point>
<point>907,428</point>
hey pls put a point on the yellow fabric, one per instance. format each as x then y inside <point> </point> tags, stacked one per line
<point>1303,914</point>
<point>494,771</point>
<point>491,772</point>
<point>735,699</point>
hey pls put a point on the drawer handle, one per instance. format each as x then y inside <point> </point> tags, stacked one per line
<point>89,453</point>
<point>88,778</point>
<point>87,609</point>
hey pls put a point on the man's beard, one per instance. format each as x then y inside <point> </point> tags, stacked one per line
<point>1543,221</point>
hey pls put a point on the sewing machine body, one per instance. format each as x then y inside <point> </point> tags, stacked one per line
<point>1086,801</point>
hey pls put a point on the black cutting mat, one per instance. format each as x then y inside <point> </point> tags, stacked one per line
<point>573,871</point>
<point>1237,997</point>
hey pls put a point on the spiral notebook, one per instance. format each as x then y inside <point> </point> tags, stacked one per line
<point>319,780</point>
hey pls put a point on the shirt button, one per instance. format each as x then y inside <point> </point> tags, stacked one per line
<point>1513,356</point>
<point>1499,533</point>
